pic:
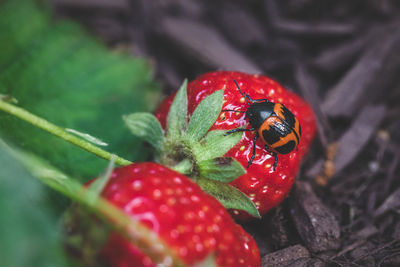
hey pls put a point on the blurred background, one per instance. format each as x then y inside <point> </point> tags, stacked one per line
<point>341,56</point>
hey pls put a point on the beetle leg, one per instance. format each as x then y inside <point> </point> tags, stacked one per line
<point>260,100</point>
<point>256,100</point>
<point>274,154</point>
<point>247,97</point>
<point>254,151</point>
<point>238,130</point>
<point>276,160</point>
<point>232,110</point>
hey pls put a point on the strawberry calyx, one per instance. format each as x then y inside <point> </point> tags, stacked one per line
<point>188,147</point>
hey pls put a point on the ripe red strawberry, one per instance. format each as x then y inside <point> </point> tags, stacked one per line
<point>265,186</point>
<point>192,223</point>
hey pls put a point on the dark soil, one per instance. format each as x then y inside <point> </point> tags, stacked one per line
<point>342,56</point>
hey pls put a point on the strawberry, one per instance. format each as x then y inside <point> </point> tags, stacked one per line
<point>192,223</point>
<point>265,186</point>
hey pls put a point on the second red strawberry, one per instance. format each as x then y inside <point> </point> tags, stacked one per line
<point>192,224</point>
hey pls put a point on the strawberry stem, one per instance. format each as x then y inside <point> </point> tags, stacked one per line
<point>58,131</point>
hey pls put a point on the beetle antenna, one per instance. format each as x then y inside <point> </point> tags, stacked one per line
<point>232,110</point>
<point>246,97</point>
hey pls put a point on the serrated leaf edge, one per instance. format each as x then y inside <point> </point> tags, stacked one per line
<point>145,126</point>
<point>205,115</point>
<point>177,115</point>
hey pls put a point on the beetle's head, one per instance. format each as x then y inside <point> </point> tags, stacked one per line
<point>258,112</point>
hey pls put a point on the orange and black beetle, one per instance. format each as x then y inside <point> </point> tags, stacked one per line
<point>276,125</point>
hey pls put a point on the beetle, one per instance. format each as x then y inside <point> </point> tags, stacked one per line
<point>275,124</point>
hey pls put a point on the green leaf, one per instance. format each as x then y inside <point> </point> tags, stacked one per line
<point>28,226</point>
<point>229,196</point>
<point>215,144</point>
<point>205,115</point>
<point>177,116</point>
<point>147,127</point>
<point>58,72</point>
<point>221,169</point>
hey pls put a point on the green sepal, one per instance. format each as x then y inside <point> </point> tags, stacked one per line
<point>205,115</point>
<point>146,126</point>
<point>184,167</point>
<point>177,115</point>
<point>222,169</point>
<point>229,196</point>
<point>98,185</point>
<point>215,144</point>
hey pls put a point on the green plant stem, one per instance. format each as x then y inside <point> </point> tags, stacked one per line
<point>60,132</point>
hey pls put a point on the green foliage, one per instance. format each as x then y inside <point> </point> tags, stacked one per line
<point>57,72</point>
<point>28,229</point>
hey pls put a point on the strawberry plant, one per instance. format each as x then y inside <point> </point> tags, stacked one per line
<point>190,148</point>
<point>193,145</point>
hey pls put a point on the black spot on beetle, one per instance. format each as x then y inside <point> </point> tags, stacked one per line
<point>286,148</point>
<point>288,116</point>
<point>299,129</point>
<point>271,136</point>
